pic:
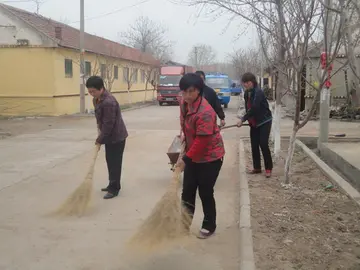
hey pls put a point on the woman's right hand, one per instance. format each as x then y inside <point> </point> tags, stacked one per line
<point>182,137</point>
<point>181,165</point>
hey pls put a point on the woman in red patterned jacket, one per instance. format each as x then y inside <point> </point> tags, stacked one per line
<point>204,151</point>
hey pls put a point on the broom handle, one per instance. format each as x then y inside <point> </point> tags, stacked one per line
<point>177,172</point>
<point>231,126</point>
<point>92,165</point>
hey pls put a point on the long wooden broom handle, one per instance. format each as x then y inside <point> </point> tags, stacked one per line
<point>231,126</point>
<point>92,165</point>
<point>177,172</point>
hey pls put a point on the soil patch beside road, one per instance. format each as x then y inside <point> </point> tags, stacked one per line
<point>307,225</point>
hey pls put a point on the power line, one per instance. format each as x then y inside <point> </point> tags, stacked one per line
<point>17,1</point>
<point>113,12</point>
<point>24,1</point>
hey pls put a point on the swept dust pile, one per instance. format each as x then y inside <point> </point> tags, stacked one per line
<point>167,224</point>
<point>78,202</point>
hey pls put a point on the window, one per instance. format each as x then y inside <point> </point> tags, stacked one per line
<point>68,68</point>
<point>125,74</point>
<point>103,71</point>
<point>170,80</point>
<point>143,76</point>
<point>116,72</point>
<point>217,82</point>
<point>135,75</point>
<point>87,68</point>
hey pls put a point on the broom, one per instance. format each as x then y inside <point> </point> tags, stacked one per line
<point>167,223</point>
<point>78,201</point>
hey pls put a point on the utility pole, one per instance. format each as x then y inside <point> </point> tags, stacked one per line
<point>196,57</point>
<point>82,60</point>
<point>325,91</point>
<point>261,64</point>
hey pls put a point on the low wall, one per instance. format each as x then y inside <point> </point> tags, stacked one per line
<point>335,160</point>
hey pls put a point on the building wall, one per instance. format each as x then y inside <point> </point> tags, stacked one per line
<point>67,88</point>
<point>27,81</point>
<point>338,87</point>
<point>13,29</point>
<point>35,83</point>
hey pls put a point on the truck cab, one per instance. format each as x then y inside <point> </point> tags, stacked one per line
<point>168,90</point>
<point>221,83</point>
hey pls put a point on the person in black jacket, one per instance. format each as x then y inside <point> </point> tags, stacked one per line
<point>259,118</point>
<point>212,99</point>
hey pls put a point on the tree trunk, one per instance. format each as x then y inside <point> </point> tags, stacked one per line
<point>129,96</point>
<point>280,77</point>
<point>276,131</point>
<point>146,86</point>
<point>290,155</point>
<point>352,59</point>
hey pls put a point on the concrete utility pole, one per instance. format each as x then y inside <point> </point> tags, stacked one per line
<point>82,60</point>
<point>196,57</point>
<point>261,65</point>
<point>325,91</point>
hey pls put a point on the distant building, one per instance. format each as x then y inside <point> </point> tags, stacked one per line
<point>40,71</point>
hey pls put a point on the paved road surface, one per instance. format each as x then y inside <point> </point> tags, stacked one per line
<point>39,168</point>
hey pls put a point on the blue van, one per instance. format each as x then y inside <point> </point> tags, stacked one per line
<point>221,83</point>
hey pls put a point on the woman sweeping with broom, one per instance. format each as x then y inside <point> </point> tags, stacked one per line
<point>259,117</point>
<point>204,151</point>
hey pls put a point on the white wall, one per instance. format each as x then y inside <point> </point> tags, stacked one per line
<point>12,29</point>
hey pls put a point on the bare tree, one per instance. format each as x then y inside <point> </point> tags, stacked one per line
<point>246,60</point>
<point>64,20</point>
<point>201,55</point>
<point>108,69</point>
<point>38,4</point>
<point>150,75</point>
<point>289,31</point>
<point>350,15</point>
<point>149,37</point>
<point>130,76</point>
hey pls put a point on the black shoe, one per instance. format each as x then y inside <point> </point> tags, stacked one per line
<point>105,189</point>
<point>110,195</point>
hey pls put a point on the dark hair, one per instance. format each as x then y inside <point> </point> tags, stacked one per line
<point>191,80</point>
<point>249,77</point>
<point>200,73</point>
<point>95,82</point>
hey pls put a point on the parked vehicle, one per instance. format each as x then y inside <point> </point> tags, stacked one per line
<point>221,83</point>
<point>168,88</point>
<point>236,89</point>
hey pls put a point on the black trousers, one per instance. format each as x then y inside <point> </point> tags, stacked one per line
<point>201,176</point>
<point>114,155</point>
<point>259,137</point>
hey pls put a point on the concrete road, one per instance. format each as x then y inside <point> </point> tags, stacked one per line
<point>40,168</point>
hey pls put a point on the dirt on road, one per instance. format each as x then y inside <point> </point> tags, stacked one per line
<point>307,225</point>
<point>39,170</point>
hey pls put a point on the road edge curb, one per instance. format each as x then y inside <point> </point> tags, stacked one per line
<point>334,177</point>
<point>140,107</point>
<point>247,260</point>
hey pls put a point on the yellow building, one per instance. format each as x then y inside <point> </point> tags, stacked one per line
<point>40,70</point>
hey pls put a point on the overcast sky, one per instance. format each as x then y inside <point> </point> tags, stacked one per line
<point>185,27</point>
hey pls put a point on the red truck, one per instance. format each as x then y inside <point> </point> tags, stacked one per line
<point>168,88</point>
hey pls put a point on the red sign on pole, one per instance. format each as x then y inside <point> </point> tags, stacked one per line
<point>323,62</point>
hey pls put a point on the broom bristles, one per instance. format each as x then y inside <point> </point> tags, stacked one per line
<point>77,203</point>
<point>167,224</point>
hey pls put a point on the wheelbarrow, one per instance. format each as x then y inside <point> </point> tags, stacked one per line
<point>174,151</point>
<point>176,148</point>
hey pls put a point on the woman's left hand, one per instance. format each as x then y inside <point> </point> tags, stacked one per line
<point>239,123</point>
<point>181,165</point>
